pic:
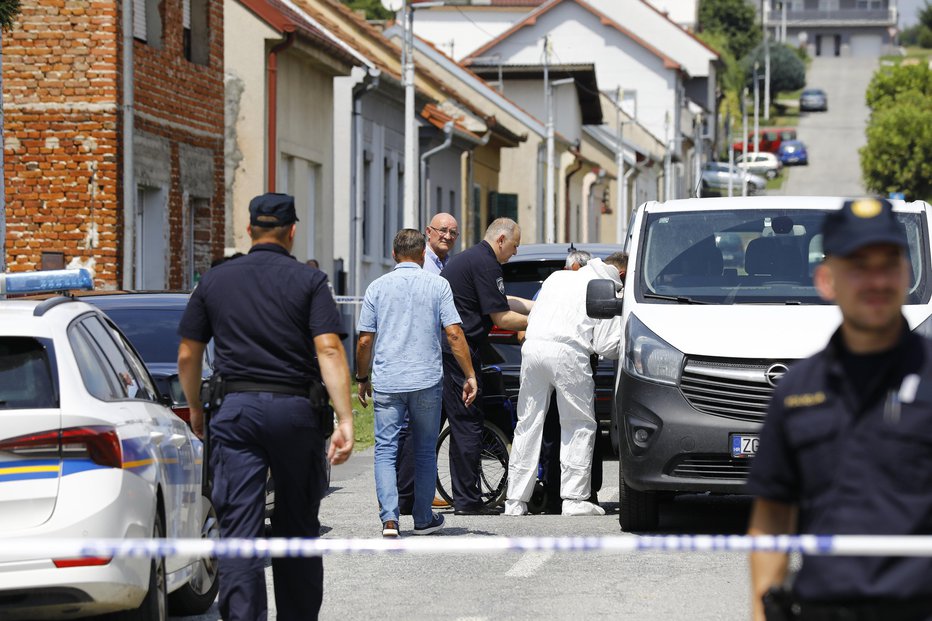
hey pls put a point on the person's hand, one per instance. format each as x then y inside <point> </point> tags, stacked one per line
<point>197,420</point>
<point>341,443</point>
<point>470,390</point>
<point>520,334</point>
<point>363,392</point>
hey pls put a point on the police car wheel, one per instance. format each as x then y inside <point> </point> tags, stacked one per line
<point>199,593</point>
<point>155,605</point>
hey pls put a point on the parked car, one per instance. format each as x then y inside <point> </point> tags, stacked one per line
<point>524,273</point>
<point>813,99</point>
<point>715,176</point>
<point>769,139</point>
<point>89,450</point>
<point>793,152</point>
<point>706,342</point>
<point>762,164</point>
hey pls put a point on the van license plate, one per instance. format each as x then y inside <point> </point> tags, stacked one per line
<point>743,446</point>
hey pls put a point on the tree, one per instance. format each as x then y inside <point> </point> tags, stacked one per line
<point>736,19</point>
<point>898,153</point>
<point>889,83</point>
<point>373,8</point>
<point>787,71</point>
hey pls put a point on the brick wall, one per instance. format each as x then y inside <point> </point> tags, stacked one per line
<point>63,144</point>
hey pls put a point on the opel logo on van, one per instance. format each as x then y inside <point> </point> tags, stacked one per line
<point>775,373</point>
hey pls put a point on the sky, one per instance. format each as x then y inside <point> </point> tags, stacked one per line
<point>909,12</point>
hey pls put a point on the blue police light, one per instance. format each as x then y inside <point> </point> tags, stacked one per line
<point>52,280</point>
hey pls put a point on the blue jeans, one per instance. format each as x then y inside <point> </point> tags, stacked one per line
<point>422,409</point>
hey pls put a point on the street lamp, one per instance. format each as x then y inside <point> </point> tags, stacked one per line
<point>549,211</point>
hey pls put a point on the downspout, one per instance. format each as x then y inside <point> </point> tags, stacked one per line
<point>470,180</point>
<point>447,141</point>
<point>272,85</point>
<point>369,82</point>
<point>129,177</point>
<point>566,191</point>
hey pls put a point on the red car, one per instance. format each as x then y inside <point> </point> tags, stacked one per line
<point>770,139</point>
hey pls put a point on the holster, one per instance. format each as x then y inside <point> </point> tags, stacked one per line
<point>779,604</point>
<point>320,401</point>
<point>213,390</point>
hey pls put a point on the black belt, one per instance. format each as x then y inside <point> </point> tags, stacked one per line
<point>919,609</point>
<point>285,389</point>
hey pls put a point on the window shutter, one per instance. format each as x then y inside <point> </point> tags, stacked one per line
<point>186,14</point>
<point>139,19</point>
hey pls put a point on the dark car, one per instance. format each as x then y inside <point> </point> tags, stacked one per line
<point>524,273</point>
<point>793,152</point>
<point>813,99</point>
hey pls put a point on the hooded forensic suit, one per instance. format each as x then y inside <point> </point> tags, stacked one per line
<point>555,356</point>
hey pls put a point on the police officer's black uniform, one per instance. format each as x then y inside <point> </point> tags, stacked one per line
<point>848,440</point>
<point>263,311</point>
<point>478,286</point>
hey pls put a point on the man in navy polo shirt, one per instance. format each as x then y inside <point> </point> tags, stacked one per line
<point>269,315</point>
<point>475,276</point>
<point>846,447</point>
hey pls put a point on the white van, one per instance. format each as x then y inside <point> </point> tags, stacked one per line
<point>718,303</point>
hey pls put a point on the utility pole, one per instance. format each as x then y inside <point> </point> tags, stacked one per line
<point>783,26</point>
<point>756,113</point>
<point>411,211</point>
<point>622,194</point>
<point>766,63</point>
<point>549,218</point>
<point>744,126</point>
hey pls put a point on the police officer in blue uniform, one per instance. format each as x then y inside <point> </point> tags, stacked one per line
<point>478,286</point>
<point>847,443</point>
<point>269,315</point>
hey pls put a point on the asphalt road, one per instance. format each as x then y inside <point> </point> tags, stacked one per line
<point>513,585</point>
<point>834,137</point>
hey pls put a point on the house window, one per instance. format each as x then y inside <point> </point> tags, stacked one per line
<point>197,249</point>
<point>367,215</point>
<point>438,204</point>
<point>147,22</point>
<point>388,209</point>
<point>195,19</point>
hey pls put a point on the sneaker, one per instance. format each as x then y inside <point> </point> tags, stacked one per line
<point>436,523</point>
<point>515,507</point>
<point>581,507</point>
<point>390,529</point>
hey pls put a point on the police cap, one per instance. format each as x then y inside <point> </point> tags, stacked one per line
<point>272,209</point>
<point>861,222</point>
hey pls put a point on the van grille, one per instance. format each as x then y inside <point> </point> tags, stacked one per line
<point>733,389</point>
<point>711,467</point>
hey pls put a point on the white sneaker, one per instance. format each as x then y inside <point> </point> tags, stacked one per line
<point>515,507</point>
<point>581,507</point>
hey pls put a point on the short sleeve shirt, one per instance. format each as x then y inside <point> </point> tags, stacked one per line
<point>478,286</point>
<point>407,309</point>
<point>853,466</point>
<point>263,311</point>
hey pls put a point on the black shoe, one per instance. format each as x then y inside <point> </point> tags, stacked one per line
<point>477,511</point>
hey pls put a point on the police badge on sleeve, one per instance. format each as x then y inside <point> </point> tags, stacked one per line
<point>501,285</point>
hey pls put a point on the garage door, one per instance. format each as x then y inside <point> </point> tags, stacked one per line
<point>866,46</point>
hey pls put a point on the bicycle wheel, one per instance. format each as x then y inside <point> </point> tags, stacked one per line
<point>493,466</point>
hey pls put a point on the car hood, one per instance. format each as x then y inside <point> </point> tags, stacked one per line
<point>750,331</point>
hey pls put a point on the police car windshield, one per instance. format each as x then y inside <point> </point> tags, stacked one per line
<point>763,256</point>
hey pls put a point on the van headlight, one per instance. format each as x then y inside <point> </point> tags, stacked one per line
<point>650,357</point>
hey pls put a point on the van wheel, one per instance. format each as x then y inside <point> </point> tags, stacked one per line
<point>638,510</point>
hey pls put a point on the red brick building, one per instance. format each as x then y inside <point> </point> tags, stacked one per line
<point>65,140</point>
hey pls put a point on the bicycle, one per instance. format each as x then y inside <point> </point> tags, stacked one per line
<point>496,444</point>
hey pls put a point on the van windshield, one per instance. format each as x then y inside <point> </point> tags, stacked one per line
<point>764,256</point>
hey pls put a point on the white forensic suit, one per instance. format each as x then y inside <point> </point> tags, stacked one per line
<point>555,356</point>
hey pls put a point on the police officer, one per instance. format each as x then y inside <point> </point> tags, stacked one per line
<point>478,286</point>
<point>269,315</point>
<point>846,447</point>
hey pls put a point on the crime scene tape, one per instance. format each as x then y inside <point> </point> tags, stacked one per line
<point>831,545</point>
<point>347,299</point>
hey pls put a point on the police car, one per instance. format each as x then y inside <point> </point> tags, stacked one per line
<point>88,449</point>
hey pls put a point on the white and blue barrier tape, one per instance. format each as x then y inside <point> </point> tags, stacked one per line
<point>831,545</point>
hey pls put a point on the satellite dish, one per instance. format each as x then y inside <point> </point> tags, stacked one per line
<point>393,5</point>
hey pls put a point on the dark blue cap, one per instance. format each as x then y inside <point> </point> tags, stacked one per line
<point>271,210</point>
<point>861,222</point>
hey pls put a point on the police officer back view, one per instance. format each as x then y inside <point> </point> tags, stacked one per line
<point>268,314</point>
<point>845,447</point>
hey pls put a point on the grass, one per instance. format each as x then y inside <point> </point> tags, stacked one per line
<point>363,422</point>
<point>911,52</point>
<point>777,182</point>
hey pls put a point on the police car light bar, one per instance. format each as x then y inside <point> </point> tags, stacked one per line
<point>51,280</point>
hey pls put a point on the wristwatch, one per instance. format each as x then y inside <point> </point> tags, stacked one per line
<point>360,380</point>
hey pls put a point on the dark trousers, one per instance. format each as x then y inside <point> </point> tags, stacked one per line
<point>465,431</point>
<point>252,432</point>
<point>550,460</point>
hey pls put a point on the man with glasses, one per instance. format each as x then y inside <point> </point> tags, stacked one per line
<point>441,236</point>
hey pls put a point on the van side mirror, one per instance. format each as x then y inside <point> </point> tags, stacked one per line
<point>601,302</point>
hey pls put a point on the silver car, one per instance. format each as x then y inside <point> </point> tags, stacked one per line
<point>716,175</point>
<point>813,99</point>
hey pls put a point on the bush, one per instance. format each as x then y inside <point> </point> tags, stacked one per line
<point>889,83</point>
<point>898,153</point>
